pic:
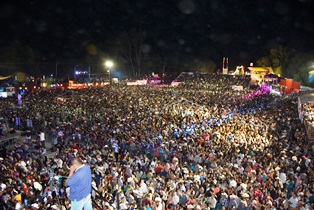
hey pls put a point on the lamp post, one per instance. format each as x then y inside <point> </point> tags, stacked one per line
<point>109,64</point>
<point>56,72</point>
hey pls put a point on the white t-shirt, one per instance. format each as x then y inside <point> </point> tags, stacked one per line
<point>159,206</point>
<point>18,206</point>
<point>59,163</point>
<point>283,177</point>
<point>116,148</point>
<point>175,199</point>
<point>293,202</point>
<point>42,136</point>
<point>212,202</point>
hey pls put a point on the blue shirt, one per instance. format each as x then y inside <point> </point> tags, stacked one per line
<point>80,183</point>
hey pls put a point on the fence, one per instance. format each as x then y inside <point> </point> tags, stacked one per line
<point>7,141</point>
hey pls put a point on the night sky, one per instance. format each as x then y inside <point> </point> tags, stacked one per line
<point>242,30</point>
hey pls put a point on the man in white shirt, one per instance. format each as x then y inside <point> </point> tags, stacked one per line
<point>116,149</point>
<point>143,188</point>
<point>293,201</point>
<point>18,206</point>
<point>158,202</point>
<point>59,162</point>
<point>282,177</point>
<point>42,139</point>
<point>175,200</point>
<point>212,201</point>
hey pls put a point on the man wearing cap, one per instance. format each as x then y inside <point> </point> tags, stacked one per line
<point>158,204</point>
<point>224,201</point>
<point>80,183</point>
<point>233,202</point>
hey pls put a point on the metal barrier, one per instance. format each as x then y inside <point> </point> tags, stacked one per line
<point>6,142</point>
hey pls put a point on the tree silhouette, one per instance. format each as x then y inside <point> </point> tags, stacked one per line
<point>276,59</point>
<point>299,67</point>
<point>16,58</point>
<point>130,47</point>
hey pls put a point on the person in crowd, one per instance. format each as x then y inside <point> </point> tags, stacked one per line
<point>185,147</point>
<point>80,184</point>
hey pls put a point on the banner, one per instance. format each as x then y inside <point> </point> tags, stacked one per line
<point>237,87</point>
<point>3,94</point>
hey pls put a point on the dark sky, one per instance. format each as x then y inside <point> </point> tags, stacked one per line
<point>243,30</point>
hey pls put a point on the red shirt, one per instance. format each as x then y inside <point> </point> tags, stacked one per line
<point>257,194</point>
<point>158,169</point>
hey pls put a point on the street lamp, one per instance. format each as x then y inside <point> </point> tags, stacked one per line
<point>109,64</point>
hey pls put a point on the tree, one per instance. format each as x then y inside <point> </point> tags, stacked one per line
<point>17,58</point>
<point>206,66</point>
<point>277,58</point>
<point>154,63</point>
<point>210,66</point>
<point>130,46</point>
<point>299,67</point>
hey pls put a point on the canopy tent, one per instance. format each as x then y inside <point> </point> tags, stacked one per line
<point>4,78</point>
<point>306,98</point>
<point>306,88</point>
<point>258,73</point>
<point>269,70</point>
<point>271,76</point>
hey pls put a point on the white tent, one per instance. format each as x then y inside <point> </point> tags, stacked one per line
<point>3,78</point>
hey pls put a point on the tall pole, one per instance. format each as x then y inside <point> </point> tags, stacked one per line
<point>163,74</point>
<point>109,76</point>
<point>56,70</point>
<point>74,73</point>
<point>109,64</point>
<point>89,74</point>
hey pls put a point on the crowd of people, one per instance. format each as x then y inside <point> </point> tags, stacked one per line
<point>201,145</point>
